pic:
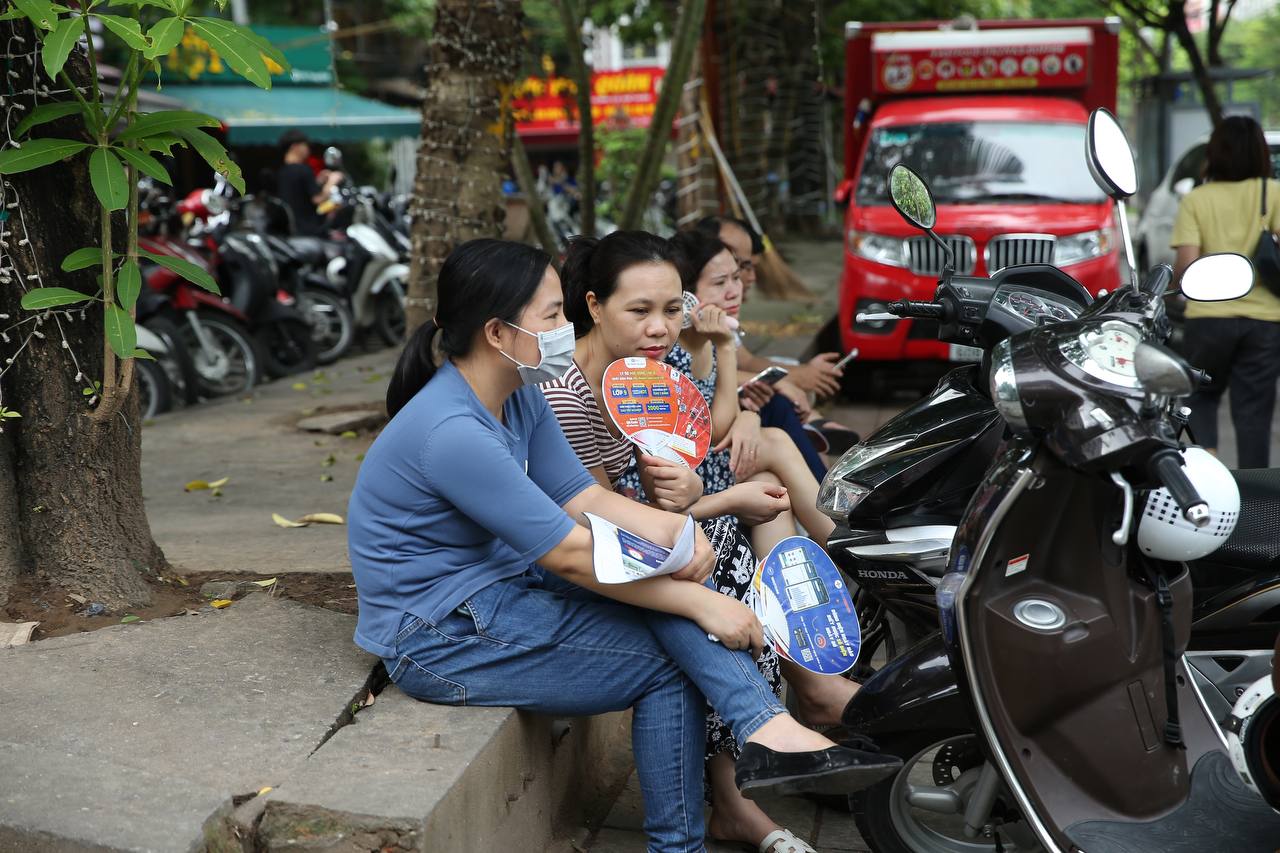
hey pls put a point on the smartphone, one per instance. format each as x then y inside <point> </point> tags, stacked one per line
<point>853,353</point>
<point>768,376</point>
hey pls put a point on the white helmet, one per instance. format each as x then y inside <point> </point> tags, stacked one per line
<point>1253,739</point>
<point>1163,533</point>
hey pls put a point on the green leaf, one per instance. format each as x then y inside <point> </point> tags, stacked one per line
<point>267,48</point>
<point>127,29</point>
<point>51,297</point>
<point>58,45</point>
<point>128,285</point>
<point>109,178</point>
<point>192,273</point>
<point>130,618</point>
<point>41,12</point>
<point>214,154</point>
<point>161,142</point>
<point>82,259</point>
<point>146,164</point>
<point>166,121</point>
<point>141,353</point>
<point>237,50</point>
<point>35,153</point>
<point>46,113</point>
<point>164,36</point>
<point>122,334</point>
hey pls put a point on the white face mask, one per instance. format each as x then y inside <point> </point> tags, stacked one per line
<point>556,349</point>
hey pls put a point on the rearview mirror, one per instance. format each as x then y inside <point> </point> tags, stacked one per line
<point>1109,156</point>
<point>332,158</point>
<point>911,197</point>
<point>1161,372</point>
<point>1218,277</point>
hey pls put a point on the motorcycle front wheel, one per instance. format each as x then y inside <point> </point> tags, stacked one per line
<point>287,347</point>
<point>388,314</point>
<point>230,365</point>
<point>155,392</point>
<point>921,808</point>
<point>333,328</point>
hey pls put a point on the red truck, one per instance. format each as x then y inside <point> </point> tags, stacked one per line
<point>994,119</point>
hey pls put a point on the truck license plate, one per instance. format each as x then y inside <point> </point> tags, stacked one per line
<point>960,352</point>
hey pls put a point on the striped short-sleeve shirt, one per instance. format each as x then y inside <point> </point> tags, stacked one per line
<point>575,407</point>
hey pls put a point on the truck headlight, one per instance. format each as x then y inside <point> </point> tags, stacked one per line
<point>838,496</point>
<point>1004,386</point>
<point>878,247</point>
<point>1087,245</point>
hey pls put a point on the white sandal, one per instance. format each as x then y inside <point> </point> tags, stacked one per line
<point>784,841</point>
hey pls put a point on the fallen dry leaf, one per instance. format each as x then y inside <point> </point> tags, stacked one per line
<point>281,521</point>
<point>321,518</point>
<point>266,583</point>
<point>78,599</point>
<point>218,484</point>
<point>220,603</point>
<point>195,486</point>
<point>348,434</point>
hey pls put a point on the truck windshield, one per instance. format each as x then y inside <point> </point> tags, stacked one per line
<point>983,162</point>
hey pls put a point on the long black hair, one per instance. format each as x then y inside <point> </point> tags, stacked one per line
<point>594,266</point>
<point>480,280</point>
<point>1237,151</point>
<point>694,250</point>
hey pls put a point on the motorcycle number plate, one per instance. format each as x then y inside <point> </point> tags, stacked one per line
<point>960,352</point>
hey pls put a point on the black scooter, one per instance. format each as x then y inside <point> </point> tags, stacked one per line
<point>897,498</point>
<point>1056,713</point>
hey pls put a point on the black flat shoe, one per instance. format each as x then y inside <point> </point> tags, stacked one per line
<point>761,772</point>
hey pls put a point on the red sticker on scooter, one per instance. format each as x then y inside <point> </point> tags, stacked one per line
<point>659,409</point>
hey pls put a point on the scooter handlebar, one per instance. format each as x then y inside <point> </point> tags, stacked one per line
<point>1167,469</point>
<point>910,308</point>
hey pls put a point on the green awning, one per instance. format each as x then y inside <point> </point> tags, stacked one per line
<point>256,116</point>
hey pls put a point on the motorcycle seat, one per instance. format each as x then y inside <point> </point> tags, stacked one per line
<point>1254,544</point>
<point>1220,813</point>
<point>313,250</point>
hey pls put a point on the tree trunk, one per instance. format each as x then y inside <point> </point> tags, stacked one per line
<point>683,45</point>
<point>581,72</point>
<point>466,121</point>
<point>71,509</point>
<point>1177,24</point>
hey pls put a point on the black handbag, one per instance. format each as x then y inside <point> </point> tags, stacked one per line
<point>1266,255</point>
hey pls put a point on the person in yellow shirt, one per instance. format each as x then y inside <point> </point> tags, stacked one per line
<point>1236,342</point>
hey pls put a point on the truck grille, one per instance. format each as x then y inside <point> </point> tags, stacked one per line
<point>1011,249</point>
<point>926,256</point>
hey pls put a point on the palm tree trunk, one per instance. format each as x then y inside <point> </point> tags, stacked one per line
<point>466,125</point>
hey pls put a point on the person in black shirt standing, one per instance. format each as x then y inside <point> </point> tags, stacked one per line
<point>297,185</point>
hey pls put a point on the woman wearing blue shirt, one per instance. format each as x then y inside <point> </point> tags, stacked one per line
<point>472,483</point>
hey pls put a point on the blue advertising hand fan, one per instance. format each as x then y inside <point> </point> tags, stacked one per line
<point>804,605</point>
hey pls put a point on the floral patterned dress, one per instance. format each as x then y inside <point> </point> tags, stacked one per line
<point>735,559</point>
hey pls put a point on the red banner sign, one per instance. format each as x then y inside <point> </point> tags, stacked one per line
<point>548,105</point>
<point>990,60</point>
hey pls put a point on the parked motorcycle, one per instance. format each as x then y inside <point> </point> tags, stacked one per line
<point>898,497</point>
<point>373,269</point>
<point>249,277</point>
<point>1055,711</point>
<point>221,356</point>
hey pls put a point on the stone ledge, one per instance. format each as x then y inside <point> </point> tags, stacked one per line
<point>147,737</point>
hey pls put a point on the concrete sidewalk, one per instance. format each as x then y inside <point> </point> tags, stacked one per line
<point>166,736</point>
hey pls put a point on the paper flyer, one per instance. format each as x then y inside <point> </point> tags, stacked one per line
<point>659,409</point>
<point>621,556</point>
<point>804,606</point>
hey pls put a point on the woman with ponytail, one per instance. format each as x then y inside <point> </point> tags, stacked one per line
<point>623,294</point>
<point>473,565</point>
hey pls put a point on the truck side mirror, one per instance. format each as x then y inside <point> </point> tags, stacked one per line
<point>843,193</point>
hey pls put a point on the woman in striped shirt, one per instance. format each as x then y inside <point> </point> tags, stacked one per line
<point>623,294</point>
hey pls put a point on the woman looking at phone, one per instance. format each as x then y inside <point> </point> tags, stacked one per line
<point>623,294</point>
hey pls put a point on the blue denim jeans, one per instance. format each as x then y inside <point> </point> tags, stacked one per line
<point>539,643</point>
